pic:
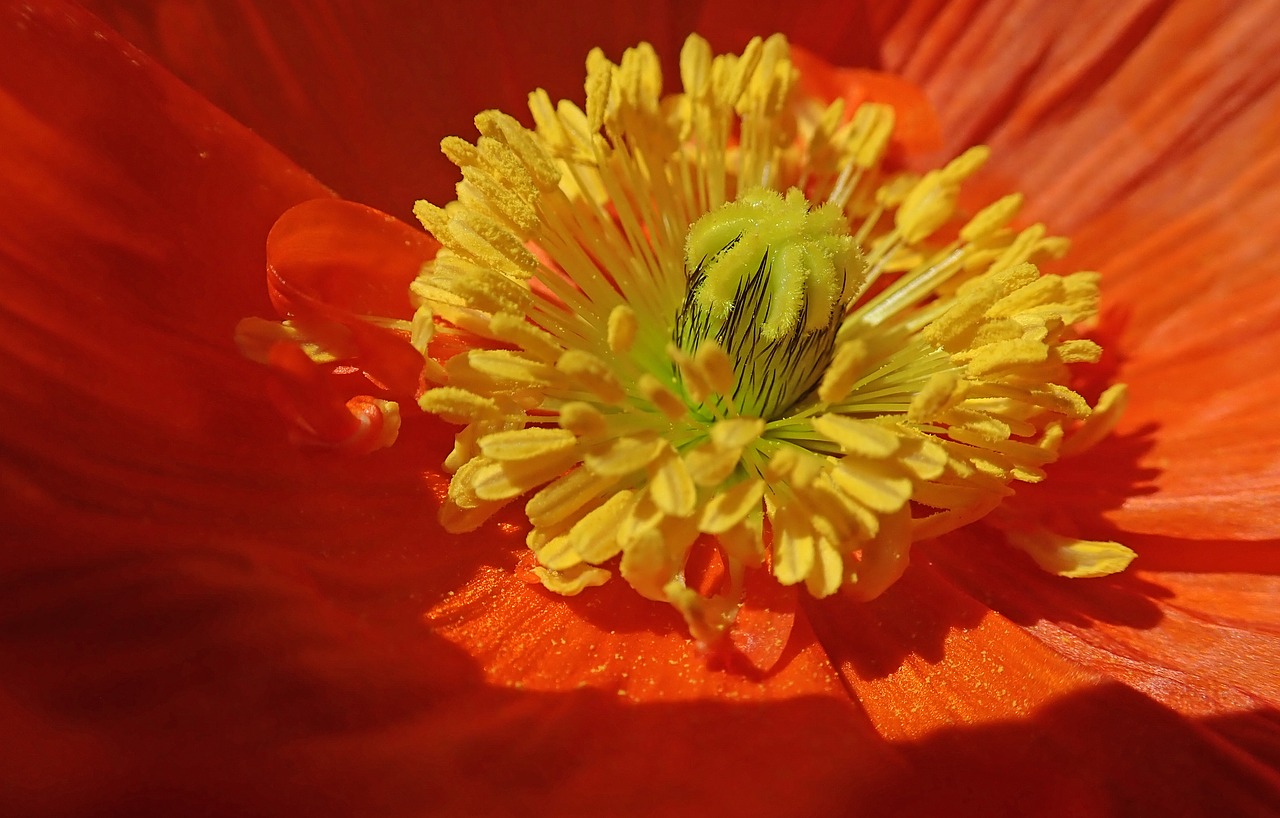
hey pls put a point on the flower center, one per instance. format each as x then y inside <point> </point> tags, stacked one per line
<point>719,316</point>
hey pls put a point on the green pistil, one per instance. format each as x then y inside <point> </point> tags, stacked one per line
<point>769,281</point>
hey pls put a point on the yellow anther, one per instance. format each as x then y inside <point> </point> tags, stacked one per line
<point>595,537</point>
<point>458,405</point>
<point>527,444</point>
<point>554,553</point>
<point>872,128</point>
<point>826,575</point>
<point>794,547</point>
<point>736,72</point>
<point>927,207</point>
<point>493,480</point>
<point>991,218</point>
<point>846,365</point>
<point>548,123</point>
<point>737,434</point>
<point>508,366</point>
<point>695,65</point>
<point>565,496</point>
<point>1100,422</point>
<point>422,329</point>
<point>459,151</point>
<point>536,162</point>
<point>583,419</point>
<point>1071,556</point>
<point>671,486</point>
<point>729,508</point>
<point>489,243</point>
<point>573,581</point>
<point>794,466</point>
<point>517,330</point>
<point>479,189</point>
<point>623,325</point>
<point>860,437</point>
<point>879,486</point>
<point>599,79</point>
<point>942,391</point>
<point>592,374</point>
<point>666,401</point>
<point>1021,249</point>
<point>1005,356</point>
<point>966,164</point>
<point>1079,351</point>
<point>715,367</point>
<point>503,164</point>
<point>624,455</point>
<point>884,559</point>
<point>433,218</point>
<point>710,465</point>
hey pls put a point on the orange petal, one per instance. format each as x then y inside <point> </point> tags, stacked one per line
<point>924,656</point>
<point>1200,643</point>
<point>342,259</point>
<point>915,129</point>
<point>1198,324</point>
<point>612,639</point>
<point>841,34</point>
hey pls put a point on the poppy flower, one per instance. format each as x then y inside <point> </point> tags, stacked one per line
<point>200,616</point>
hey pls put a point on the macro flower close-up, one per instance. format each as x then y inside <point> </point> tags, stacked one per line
<point>669,409</point>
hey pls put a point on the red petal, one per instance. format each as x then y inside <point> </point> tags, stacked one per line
<point>195,613</point>
<point>134,217</point>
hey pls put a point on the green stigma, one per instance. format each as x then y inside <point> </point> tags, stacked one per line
<point>769,280</point>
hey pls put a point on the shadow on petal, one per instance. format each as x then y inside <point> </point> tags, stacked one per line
<point>1105,751</point>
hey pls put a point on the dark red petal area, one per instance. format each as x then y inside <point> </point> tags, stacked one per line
<point>131,246</point>
<point>842,34</point>
<point>362,93</point>
<point>1104,752</point>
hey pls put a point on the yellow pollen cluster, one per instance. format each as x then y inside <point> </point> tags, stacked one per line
<point>705,317</point>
